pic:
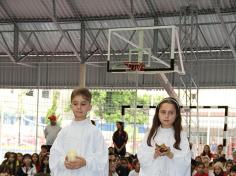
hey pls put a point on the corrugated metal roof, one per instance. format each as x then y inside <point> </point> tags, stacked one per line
<point>35,9</point>
<point>214,34</point>
<point>25,8</point>
<point>32,18</point>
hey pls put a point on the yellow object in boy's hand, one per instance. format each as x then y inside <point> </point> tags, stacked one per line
<point>71,155</point>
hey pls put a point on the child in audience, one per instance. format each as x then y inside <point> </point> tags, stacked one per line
<point>165,149</point>
<point>44,166</point>
<point>122,169</point>
<point>6,156</point>
<point>79,148</point>
<point>35,161</point>
<point>44,151</point>
<point>198,159</point>
<point>200,170</point>
<point>112,168</point>
<point>233,171</point>
<point>19,159</point>
<point>218,169</point>
<point>228,167</point>
<point>207,151</point>
<point>206,162</point>
<point>135,171</point>
<point>27,167</point>
<point>220,150</point>
<point>9,165</point>
<point>234,157</point>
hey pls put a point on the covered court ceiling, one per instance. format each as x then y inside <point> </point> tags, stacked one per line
<point>43,42</point>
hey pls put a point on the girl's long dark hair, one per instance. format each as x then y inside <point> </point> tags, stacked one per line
<point>157,123</point>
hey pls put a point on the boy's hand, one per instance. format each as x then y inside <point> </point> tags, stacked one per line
<point>76,164</point>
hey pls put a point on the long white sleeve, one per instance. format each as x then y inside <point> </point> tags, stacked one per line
<point>146,154</point>
<point>182,158</point>
<point>57,155</point>
<point>98,160</point>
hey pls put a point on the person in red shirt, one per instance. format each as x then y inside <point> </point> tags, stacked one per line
<point>200,170</point>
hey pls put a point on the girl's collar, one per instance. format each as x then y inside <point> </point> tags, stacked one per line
<point>166,129</point>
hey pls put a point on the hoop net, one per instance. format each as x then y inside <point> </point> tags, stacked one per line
<point>135,66</point>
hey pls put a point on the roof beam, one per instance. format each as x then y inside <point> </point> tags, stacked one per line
<point>105,28</point>
<point>54,20</point>
<point>130,11</point>
<point>202,57</point>
<point>14,57</point>
<point>158,21</point>
<point>148,15</point>
<point>232,31</point>
<point>225,30</point>
<point>82,43</point>
<point>76,13</point>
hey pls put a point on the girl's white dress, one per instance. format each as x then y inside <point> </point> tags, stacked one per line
<point>179,165</point>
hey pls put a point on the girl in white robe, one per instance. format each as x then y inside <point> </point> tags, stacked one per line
<point>79,149</point>
<point>166,129</point>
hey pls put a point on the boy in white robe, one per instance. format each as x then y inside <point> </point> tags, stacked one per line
<point>165,148</point>
<point>79,149</point>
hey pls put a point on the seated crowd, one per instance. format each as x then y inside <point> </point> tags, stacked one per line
<point>213,164</point>
<point>27,164</point>
<point>206,164</point>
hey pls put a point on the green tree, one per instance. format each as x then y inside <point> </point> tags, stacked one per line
<point>107,105</point>
<point>99,103</point>
<point>141,114</point>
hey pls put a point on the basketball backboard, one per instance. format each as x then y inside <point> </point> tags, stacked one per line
<point>156,49</point>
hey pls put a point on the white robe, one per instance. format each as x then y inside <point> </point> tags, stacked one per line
<point>88,142</point>
<point>179,165</point>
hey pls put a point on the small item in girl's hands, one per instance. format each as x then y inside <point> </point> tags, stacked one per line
<point>162,148</point>
<point>71,155</point>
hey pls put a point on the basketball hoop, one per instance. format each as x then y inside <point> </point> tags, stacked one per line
<point>135,66</point>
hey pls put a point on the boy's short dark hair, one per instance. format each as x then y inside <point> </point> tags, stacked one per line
<point>84,92</point>
<point>44,147</point>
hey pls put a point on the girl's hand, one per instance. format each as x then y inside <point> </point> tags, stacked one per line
<point>168,153</point>
<point>157,152</point>
<point>76,164</point>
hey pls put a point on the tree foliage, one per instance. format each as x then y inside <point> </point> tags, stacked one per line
<point>107,105</point>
